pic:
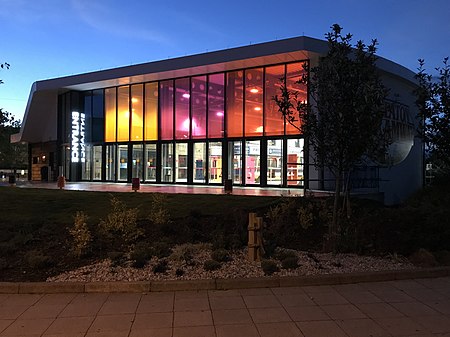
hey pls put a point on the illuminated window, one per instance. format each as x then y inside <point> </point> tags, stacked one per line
<point>137,104</point>
<point>166,107</point>
<point>110,115</point>
<point>182,99</point>
<point>274,162</point>
<point>216,105</point>
<point>123,114</point>
<point>293,74</point>
<point>252,162</point>
<point>215,162</point>
<point>199,162</point>
<point>151,111</point>
<point>295,162</point>
<point>234,114</point>
<point>150,162</point>
<point>198,106</point>
<point>254,102</point>
<point>181,162</point>
<point>167,163</point>
<point>274,121</point>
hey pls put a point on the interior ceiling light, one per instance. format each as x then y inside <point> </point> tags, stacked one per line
<point>220,114</point>
<point>257,108</point>
<point>254,91</point>
<point>186,95</point>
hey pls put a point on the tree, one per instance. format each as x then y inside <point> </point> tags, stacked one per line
<point>433,100</point>
<point>12,156</point>
<point>343,123</point>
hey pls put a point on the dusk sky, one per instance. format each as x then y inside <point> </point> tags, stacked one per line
<point>44,39</point>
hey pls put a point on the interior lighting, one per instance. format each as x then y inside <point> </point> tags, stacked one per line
<point>134,100</point>
<point>259,129</point>
<point>220,114</point>
<point>257,108</point>
<point>186,95</point>
<point>254,91</point>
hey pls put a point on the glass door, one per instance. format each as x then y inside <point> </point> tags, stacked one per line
<point>274,162</point>
<point>167,163</point>
<point>215,162</point>
<point>123,162</point>
<point>110,162</point>
<point>252,162</point>
<point>235,162</point>
<point>97,162</point>
<point>295,162</point>
<point>181,162</point>
<point>150,162</point>
<point>199,163</point>
<point>138,167</point>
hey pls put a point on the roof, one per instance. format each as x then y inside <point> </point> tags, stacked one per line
<point>40,119</point>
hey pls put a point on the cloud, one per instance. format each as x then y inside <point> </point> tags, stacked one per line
<point>102,18</point>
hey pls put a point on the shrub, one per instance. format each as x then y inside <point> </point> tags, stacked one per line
<point>220,255</point>
<point>81,235</point>
<point>7,248</point>
<point>211,265</point>
<point>443,257</point>
<point>161,249</point>
<point>161,267</point>
<point>281,254</point>
<point>141,254</point>
<point>120,226</point>
<point>289,263</point>
<point>36,259</point>
<point>179,272</point>
<point>117,258</point>
<point>269,267</point>
<point>159,214</point>
<point>423,258</point>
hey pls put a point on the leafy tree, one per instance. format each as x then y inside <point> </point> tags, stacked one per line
<point>433,100</point>
<point>343,123</point>
<point>11,155</point>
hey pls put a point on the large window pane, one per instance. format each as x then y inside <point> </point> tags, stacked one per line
<point>111,162</point>
<point>274,162</point>
<point>150,160</point>
<point>137,110</point>
<point>295,162</point>
<point>98,129</point>
<point>273,120</point>
<point>123,162</point>
<point>254,102</point>
<point>167,163</point>
<point>198,106</point>
<point>235,162</point>
<point>293,74</point>
<point>123,114</point>
<point>181,151</point>
<point>199,162</point>
<point>138,167</point>
<point>97,162</point>
<point>87,110</point>
<point>182,99</point>
<point>151,111</point>
<point>234,113</point>
<point>252,162</point>
<point>216,105</point>
<point>166,107</point>
<point>215,162</point>
<point>110,115</point>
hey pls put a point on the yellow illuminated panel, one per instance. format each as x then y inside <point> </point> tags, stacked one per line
<point>151,111</point>
<point>137,106</point>
<point>123,114</point>
<point>110,115</point>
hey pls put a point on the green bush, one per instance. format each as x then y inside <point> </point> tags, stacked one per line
<point>161,249</point>
<point>81,235</point>
<point>120,227</point>
<point>36,259</point>
<point>161,267</point>
<point>141,254</point>
<point>269,267</point>
<point>220,255</point>
<point>289,262</point>
<point>281,254</point>
<point>117,258</point>
<point>211,265</point>
<point>159,214</point>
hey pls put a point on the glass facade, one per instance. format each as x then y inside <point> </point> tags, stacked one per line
<point>191,130</point>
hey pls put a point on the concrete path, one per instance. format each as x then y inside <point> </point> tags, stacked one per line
<point>419,307</point>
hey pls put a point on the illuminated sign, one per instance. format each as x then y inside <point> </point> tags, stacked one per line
<point>78,132</point>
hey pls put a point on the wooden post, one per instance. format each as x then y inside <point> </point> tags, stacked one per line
<point>255,250</point>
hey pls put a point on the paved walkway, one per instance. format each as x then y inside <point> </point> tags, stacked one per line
<point>162,188</point>
<point>419,307</point>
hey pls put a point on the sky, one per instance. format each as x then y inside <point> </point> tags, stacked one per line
<point>43,39</point>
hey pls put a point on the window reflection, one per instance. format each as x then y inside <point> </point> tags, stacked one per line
<point>234,113</point>
<point>254,102</point>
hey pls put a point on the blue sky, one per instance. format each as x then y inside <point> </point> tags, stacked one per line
<point>44,39</point>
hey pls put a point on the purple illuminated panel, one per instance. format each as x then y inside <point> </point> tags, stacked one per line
<point>216,105</point>
<point>182,99</point>
<point>198,106</point>
<point>166,106</point>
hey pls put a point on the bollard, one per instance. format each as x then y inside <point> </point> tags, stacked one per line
<point>61,182</point>
<point>255,246</point>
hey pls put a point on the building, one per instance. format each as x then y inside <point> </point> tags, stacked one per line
<point>203,119</point>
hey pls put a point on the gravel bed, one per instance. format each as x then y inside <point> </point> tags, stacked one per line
<point>238,267</point>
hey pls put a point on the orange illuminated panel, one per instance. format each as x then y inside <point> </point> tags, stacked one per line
<point>137,105</point>
<point>151,111</point>
<point>110,115</point>
<point>293,74</point>
<point>273,119</point>
<point>123,114</point>
<point>234,113</point>
<point>254,102</point>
